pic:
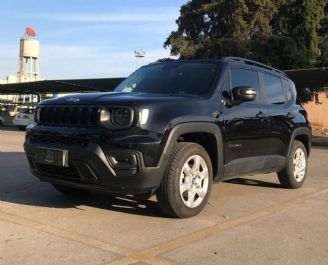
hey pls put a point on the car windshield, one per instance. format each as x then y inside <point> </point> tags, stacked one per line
<point>195,78</point>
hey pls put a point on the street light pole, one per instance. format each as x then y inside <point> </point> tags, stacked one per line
<point>139,55</point>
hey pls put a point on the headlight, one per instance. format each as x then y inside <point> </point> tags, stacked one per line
<point>122,116</point>
<point>116,117</point>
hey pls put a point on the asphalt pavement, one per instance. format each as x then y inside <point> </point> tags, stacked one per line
<point>249,220</point>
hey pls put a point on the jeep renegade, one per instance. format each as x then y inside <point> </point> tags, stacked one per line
<point>171,129</point>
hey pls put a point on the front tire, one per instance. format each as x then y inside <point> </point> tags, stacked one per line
<point>187,184</point>
<point>295,172</point>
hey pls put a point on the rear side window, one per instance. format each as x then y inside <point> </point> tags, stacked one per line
<point>273,89</point>
<point>243,77</point>
<point>297,98</point>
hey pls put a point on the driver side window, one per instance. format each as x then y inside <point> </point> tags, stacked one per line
<point>245,77</point>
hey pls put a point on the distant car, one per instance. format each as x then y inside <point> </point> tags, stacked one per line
<point>24,118</point>
<point>2,121</point>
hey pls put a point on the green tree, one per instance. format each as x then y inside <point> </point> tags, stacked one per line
<point>285,34</point>
<point>323,39</point>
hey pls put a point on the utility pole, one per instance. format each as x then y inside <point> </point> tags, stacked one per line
<point>139,55</point>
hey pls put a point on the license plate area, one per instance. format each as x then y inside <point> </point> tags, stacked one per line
<point>50,156</point>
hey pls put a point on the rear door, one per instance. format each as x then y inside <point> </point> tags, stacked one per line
<point>244,126</point>
<point>278,97</point>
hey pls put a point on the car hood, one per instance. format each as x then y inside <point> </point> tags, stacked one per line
<point>116,99</point>
<point>164,110</point>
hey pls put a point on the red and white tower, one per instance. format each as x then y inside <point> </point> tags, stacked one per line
<point>28,68</point>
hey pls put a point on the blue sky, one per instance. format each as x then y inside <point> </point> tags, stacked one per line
<point>85,38</point>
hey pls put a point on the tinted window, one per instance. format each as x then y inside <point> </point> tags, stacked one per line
<point>172,78</point>
<point>295,94</point>
<point>288,88</point>
<point>273,89</point>
<point>243,77</point>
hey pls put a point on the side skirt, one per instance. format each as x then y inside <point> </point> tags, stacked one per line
<point>253,165</point>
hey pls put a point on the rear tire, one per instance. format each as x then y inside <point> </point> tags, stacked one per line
<point>295,172</point>
<point>69,191</point>
<point>22,128</point>
<point>187,183</point>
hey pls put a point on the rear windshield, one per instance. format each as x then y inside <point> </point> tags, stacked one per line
<point>195,78</point>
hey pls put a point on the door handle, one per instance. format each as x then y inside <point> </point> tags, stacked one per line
<point>261,115</point>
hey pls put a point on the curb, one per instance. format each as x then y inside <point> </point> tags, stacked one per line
<point>320,144</point>
<point>319,141</point>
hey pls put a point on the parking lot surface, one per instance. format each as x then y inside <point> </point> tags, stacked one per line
<point>249,220</point>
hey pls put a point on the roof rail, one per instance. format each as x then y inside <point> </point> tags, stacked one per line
<point>247,61</point>
<point>166,60</point>
<point>163,60</point>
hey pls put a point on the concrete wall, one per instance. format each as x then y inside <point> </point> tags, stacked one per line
<point>318,112</point>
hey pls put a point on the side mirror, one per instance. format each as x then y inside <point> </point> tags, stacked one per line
<point>244,93</point>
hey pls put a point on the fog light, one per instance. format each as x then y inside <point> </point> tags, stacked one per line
<point>113,160</point>
<point>123,161</point>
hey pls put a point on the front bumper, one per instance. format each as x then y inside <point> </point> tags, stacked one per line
<point>95,166</point>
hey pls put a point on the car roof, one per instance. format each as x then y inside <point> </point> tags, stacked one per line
<point>233,61</point>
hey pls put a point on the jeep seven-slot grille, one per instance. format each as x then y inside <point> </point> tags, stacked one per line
<point>69,116</point>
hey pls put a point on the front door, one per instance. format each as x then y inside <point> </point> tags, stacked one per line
<point>244,126</point>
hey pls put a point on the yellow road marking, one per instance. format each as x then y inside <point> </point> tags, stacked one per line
<point>160,261</point>
<point>152,261</point>
<point>87,240</point>
<point>124,261</point>
<point>201,234</point>
<point>149,255</point>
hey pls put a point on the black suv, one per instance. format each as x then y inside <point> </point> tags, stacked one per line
<point>171,129</point>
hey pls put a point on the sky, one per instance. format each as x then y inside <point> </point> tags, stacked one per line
<point>85,38</point>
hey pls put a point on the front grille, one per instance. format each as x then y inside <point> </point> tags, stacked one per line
<point>58,139</point>
<point>69,173</point>
<point>69,116</point>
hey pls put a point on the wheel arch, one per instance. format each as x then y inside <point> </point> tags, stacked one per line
<point>206,134</point>
<point>303,135</point>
